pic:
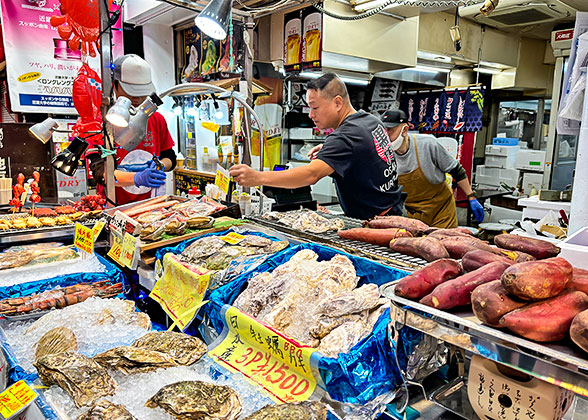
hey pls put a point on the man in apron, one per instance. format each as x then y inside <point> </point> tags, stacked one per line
<point>422,165</point>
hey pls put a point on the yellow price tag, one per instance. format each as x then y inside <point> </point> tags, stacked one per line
<point>84,238</point>
<point>15,398</point>
<point>233,238</point>
<point>97,229</point>
<point>180,290</point>
<point>279,364</point>
<point>116,249</point>
<point>221,180</point>
<point>128,249</point>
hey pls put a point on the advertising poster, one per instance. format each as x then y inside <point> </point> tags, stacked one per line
<point>40,66</point>
<point>312,22</point>
<point>292,42</point>
<point>209,55</point>
<point>192,48</point>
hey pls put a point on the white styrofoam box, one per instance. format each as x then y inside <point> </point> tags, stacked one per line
<point>494,394</point>
<point>501,156</point>
<point>530,160</point>
<point>533,208</point>
<point>494,176</point>
<point>575,249</point>
<point>300,133</point>
<point>531,180</point>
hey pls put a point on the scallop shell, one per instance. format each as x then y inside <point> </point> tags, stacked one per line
<point>55,341</point>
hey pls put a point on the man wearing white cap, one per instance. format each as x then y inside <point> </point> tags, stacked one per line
<point>132,79</point>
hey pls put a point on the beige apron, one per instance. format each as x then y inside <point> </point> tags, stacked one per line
<point>433,204</point>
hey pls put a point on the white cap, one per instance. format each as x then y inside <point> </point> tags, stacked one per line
<point>134,75</point>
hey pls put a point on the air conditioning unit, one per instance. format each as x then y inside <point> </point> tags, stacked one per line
<point>520,12</point>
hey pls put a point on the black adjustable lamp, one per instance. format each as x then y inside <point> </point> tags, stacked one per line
<point>68,160</point>
<point>214,19</point>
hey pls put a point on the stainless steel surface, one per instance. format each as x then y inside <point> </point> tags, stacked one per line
<point>559,361</point>
<point>380,253</point>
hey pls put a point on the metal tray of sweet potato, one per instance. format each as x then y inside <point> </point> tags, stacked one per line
<point>561,363</point>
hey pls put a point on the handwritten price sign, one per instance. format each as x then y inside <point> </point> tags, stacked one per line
<point>128,250</point>
<point>16,398</point>
<point>97,229</point>
<point>233,238</point>
<point>280,365</point>
<point>180,290</point>
<point>222,179</point>
<point>116,249</point>
<point>84,238</point>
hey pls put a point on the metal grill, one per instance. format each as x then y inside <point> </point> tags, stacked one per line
<point>379,253</point>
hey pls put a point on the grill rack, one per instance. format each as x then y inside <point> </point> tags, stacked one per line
<point>379,253</point>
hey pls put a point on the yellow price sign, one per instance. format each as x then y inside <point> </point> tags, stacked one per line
<point>222,179</point>
<point>128,250</point>
<point>180,290</point>
<point>84,238</point>
<point>15,398</point>
<point>233,238</point>
<point>116,249</point>
<point>282,366</point>
<point>97,229</point>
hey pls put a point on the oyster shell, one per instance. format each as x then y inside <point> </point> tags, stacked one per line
<point>175,227</point>
<point>307,410</point>
<point>256,241</point>
<point>196,400</point>
<point>204,247</point>
<point>200,222</point>
<point>223,258</point>
<point>184,349</point>
<point>57,340</point>
<point>81,377</point>
<point>275,246</point>
<point>105,410</point>
<point>128,359</point>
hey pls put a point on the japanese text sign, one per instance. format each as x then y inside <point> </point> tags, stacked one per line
<point>128,250</point>
<point>116,248</point>
<point>15,398</point>
<point>222,179</point>
<point>84,238</point>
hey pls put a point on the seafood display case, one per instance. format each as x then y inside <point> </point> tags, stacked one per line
<point>554,363</point>
<point>330,237</point>
<point>40,234</point>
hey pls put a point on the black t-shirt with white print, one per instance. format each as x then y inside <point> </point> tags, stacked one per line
<point>360,153</point>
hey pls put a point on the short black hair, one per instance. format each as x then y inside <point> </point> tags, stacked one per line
<point>330,85</point>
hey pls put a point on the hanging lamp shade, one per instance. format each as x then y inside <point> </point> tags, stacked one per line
<point>214,19</point>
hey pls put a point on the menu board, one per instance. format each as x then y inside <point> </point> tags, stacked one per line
<point>184,180</point>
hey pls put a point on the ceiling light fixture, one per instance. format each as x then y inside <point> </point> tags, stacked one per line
<point>68,160</point>
<point>214,19</point>
<point>428,69</point>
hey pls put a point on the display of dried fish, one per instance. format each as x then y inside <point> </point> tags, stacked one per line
<point>196,400</point>
<point>184,349</point>
<point>81,377</point>
<point>306,410</point>
<point>129,360</point>
<point>58,340</point>
<point>105,410</point>
<point>305,221</point>
<point>314,302</point>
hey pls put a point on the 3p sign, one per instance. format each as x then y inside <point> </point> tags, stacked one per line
<point>284,368</point>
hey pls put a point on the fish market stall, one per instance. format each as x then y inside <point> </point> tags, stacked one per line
<point>514,342</point>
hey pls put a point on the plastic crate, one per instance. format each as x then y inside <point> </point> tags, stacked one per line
<point>505,141</point>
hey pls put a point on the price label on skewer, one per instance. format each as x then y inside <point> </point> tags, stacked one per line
<point>128,250</point>
<point>16,398</point>
<point>116,249</point>
<point>84,238</point>
<point>97,229</point>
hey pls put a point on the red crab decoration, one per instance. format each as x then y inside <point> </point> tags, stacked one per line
<point>79,21</point>
<point>87,98</point>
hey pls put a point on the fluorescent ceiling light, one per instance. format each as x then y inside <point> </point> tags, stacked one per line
<point>354,81</point>
<point>310,75</point>
<point>428,69</point>
<point>425,55</point>
<point>493,65</point>
<point>345,79</point>
<point>372,4</point>
<point>487,70</point>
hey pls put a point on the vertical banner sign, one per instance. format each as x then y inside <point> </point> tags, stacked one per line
<point>284,368</point>
<point>180,290</point>
<point>40,65</point>
<point>292,42</point>
<point>312,22</point>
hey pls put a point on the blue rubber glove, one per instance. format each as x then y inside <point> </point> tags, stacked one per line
<point>134,167</point>
<point>477,209</point>
<point>150,177</point>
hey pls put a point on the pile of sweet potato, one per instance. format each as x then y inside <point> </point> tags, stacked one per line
<point>523,287</point>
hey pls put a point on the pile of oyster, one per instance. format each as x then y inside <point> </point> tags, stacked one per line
<point>315,302</point>
<point>305,221</point>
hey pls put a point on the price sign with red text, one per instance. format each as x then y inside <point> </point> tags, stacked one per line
<point>116,249</point>
<point>233,238</point>
<point>16,398</point>
<point>283,367</point>
<point>128,250</point>
<point>84,238</point>
<point>180,290</point>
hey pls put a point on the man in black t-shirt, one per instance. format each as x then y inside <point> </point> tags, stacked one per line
<point>358,155</point>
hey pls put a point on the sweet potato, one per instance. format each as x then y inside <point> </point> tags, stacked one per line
<point>535,247</point>
<point>548,320</point>
<point>579,280</point>
<point>423,281</point>
<point>458,292</point>
<point>579,330</point>
<point>416,227</point>
<point>429,249</point>
<point>459,246</point>
<point>534,280</point>
<point>443,233</point>
<point>374,236</point>
<point>516,256</point>
<point>477,258</point>
<point>491,301</point>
